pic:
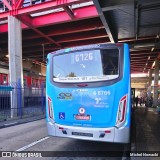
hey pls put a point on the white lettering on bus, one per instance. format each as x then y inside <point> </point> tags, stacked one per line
<point>97,100</point>
<point>100,93</point>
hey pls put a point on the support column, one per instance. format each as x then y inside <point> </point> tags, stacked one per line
<point>156,78</point>
<point>150,82</point>
<point>150,76</point>
<point>15,59</point>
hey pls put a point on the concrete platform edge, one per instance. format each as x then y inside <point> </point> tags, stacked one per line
<point>5,124</point>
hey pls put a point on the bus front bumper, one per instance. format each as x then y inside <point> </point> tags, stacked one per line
<point>112,134</point>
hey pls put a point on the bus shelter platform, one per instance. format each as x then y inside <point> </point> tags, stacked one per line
<point>146,132</point>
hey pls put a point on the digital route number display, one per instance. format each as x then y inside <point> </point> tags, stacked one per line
<point>83,57</point>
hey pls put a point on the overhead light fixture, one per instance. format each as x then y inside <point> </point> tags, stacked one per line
<point>7,55</point>
<point>139,75</point>
<point>143,45</point>
<point>152,49</point>
<point>153,64</point>
<point>149,57</point>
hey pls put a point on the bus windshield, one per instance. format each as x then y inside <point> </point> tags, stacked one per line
<point>86,66</point>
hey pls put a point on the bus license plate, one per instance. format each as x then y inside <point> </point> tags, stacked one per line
<point>82,117</point>
<point>82,134</point>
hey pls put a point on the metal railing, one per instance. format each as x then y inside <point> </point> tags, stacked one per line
<point>17,101</point>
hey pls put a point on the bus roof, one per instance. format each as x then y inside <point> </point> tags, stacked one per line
<point>95,46</point>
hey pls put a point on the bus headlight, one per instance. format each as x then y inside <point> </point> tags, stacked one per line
<point>50,109</point>
<point>121,114</point>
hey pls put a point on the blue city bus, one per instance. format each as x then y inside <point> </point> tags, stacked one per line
<point>88,93</point>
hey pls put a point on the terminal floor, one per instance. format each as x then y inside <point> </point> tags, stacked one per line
<point>146,129</point>
<point>145,132</point>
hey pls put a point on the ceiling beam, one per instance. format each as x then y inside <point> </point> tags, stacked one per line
<point>69,12</point>
<point>137,20</point>
<point>141,51</point>
<point>140,61</point>
<point>138,65</point>
<point>114,4</point>
<point>19,4</point>
<point>39,49</point>
<point>67,45</point>
<point>5,2</point>
<point>85,42</point>
<point>76,27</point>
<point>139,39</point>
<point>28,44</point>
<point>150,5</point>
<point>58,17</point>
<point>81,36</point>
<point>109,27</point>
<point>150,26</point>
<point>42,7</point>
<point>141,54</point>
<point>28,21</point>
<point>4,15</point>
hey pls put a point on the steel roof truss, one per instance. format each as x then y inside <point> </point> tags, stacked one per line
<point>7,4</point>
<point>19,4</point>
<point>28,21</point>
<point>108,26</point>
<point>69,11</point>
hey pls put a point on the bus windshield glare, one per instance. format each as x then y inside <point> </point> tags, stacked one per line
<point>89,66</point>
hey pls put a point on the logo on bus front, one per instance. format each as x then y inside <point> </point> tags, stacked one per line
<point>81,115</point>
<point>82,110</point>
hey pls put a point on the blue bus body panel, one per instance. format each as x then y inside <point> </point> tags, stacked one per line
<point>100,104</point>
<point>101,108</point>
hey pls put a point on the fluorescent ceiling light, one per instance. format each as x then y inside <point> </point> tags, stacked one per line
<point>144,45</point>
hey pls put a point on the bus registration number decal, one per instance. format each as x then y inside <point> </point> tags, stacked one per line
<point>82,117</point>
<point>82,134</point>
